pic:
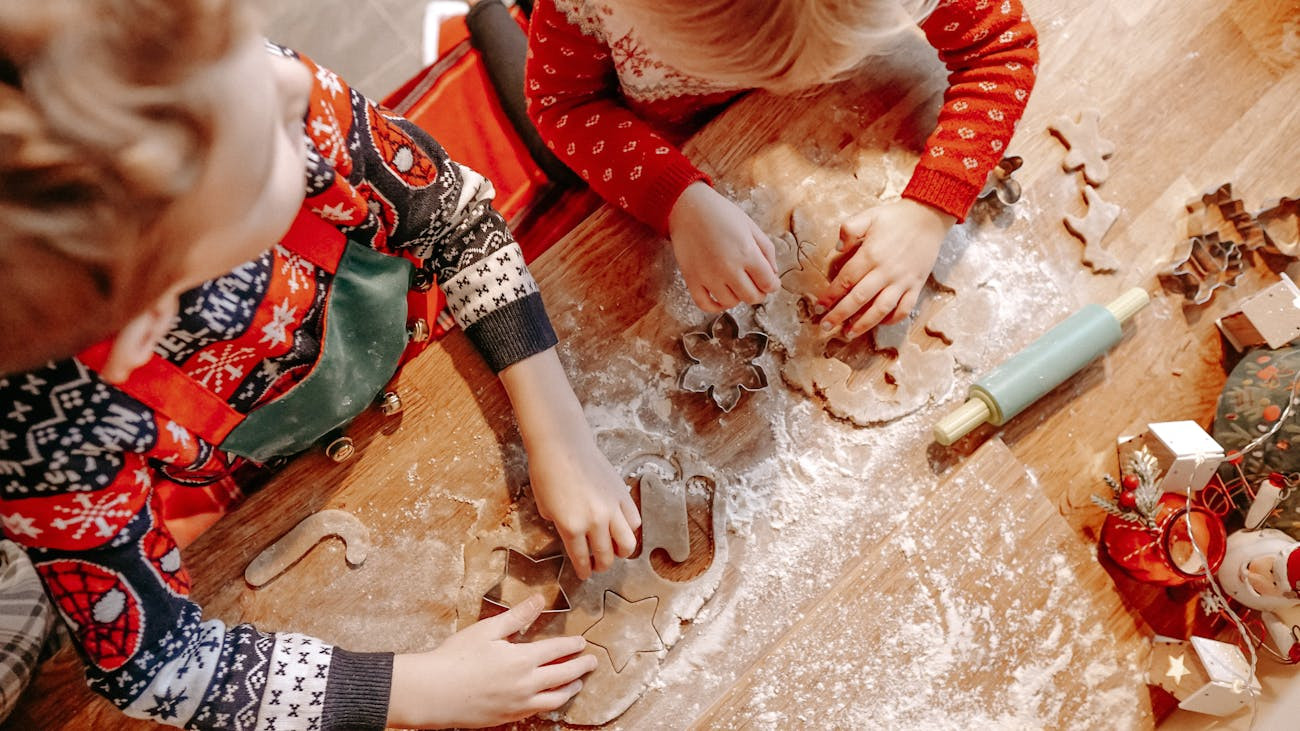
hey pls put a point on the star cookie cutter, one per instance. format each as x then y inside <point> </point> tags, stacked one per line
<point>1000,185</point>
<point>722,362</point>
<point>525,576</point>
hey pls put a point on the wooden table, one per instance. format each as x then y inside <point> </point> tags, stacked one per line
<point>892,582</point>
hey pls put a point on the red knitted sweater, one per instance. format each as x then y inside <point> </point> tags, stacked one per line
<point>614,112</point>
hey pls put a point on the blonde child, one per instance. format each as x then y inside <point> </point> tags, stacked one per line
<point>224,234</point>
<point>615,85</point>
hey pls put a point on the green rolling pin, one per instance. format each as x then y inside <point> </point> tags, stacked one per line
<point>1043,365</point>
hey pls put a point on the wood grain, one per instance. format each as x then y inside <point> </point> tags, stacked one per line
<point>1193,94</point>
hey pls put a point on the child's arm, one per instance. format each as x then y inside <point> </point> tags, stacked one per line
<point>573,483</point>
<point>79,498</point>
<point>444,214</point>
<point>991,50</point>
<point>79,472</point>
<point>572,94</point>
<point>479,677</point>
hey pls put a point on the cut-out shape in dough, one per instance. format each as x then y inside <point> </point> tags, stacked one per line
<point>667,480</point>
<point>1092,227</point>
<point>1202,264</point>
<point>877,378</point>
<point>1087,149</point>
<point>1280,224</point>
<point>625,628</point>
<point>663,517</point>
<point>295,544</point>
<point>525,576</point>
<point>722,362</point>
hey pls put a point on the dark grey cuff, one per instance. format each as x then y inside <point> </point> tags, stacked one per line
<point>513,332</point>
<point>356,694</point>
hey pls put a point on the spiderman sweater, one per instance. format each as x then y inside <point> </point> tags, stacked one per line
<point>80,459</point>
<point>612,109</point>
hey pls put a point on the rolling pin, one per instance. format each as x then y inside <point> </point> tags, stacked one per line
<point>1043,365</point>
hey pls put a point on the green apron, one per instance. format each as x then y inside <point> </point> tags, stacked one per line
<point>362,345</point>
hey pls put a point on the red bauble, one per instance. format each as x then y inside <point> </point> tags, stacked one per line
<point>1130,482</point>
<point>1128,500</point>
<point>1165,555</point>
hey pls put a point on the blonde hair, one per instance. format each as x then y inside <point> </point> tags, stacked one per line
<point>779,45</point>
<point>99,135</point>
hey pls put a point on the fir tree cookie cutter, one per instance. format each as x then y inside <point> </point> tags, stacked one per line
<point>722,362</point>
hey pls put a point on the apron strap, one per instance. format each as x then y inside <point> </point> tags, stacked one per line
<point>315,240</point>
<point>168,390</point>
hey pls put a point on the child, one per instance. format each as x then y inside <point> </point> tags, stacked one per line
<point>614,86</point>
<point>153,153</point>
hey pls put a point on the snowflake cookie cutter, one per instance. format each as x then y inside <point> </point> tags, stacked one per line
<point>722,362</point>
<point>525,576</point>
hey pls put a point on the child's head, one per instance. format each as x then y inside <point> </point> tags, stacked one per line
<point>780,45</point>
<point>145,145</point>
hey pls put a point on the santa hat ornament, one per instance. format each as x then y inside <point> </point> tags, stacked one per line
<point>1261,569</point>
<point>1247,577</point>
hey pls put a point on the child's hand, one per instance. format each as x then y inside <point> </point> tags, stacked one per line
<point>573,483</point>
<point>725,258</point>
<point>477,677</point>
<point>888,254</point>
<point>577,489</point>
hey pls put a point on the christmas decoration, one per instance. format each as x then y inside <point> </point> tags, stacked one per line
<point>1186,457</point>
<point>1261,569</point>
<point>1257,425</point>
<point>1271,317</point>
<point>1160,539</point>
<point>1206,676</point>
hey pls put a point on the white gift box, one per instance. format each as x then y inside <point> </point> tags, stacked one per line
<point>1271,317</point>
<point>1206,676</point>
<point>1187,456</point>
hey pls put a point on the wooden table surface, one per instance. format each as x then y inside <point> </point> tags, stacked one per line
<point>873,577</point>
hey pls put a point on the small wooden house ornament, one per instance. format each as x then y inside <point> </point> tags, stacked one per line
<point>1206,676</point>
<point>1187,456</point>
<point>1271,317</point>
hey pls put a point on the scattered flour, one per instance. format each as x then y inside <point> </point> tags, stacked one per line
<point>815,493</point>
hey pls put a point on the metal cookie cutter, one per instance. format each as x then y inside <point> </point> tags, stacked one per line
<point>722,362</point>
<point>525,576</point>
<point>1000,184</point>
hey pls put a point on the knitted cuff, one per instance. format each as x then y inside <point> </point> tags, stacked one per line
<point>953,196</point>
<point>664,192</point>
<point>511,333</point>
<point>357,692</point>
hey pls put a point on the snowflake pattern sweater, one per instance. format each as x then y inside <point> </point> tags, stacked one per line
<point>615,112</point>
<point>80,460</point>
